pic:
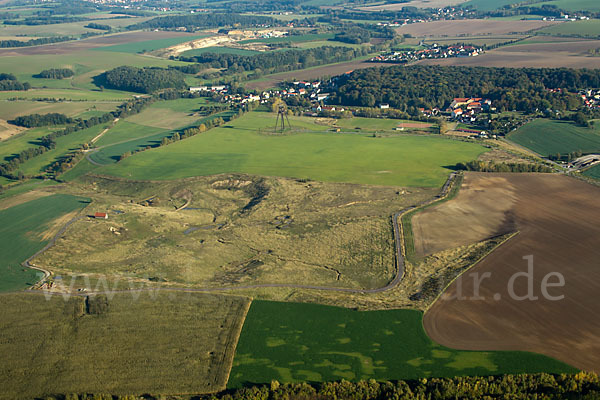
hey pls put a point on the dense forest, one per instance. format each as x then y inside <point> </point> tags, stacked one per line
<point>56,73</point>
<point>581,386</point>
<point>141,80</point>
<point>522,89</point>
<point>10,82</point>
<point>212,20</point>
<point>34,120</point>
<point>277,61</point>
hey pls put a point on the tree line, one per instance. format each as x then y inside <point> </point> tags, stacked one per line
<point>210,20</point>
<point>141,80</point>
<point>39,41</point>
<point>277,61</point>
<point>48,142</point>
<point>521,89</point>
<point>35,120</point>
<point>10,82</point>
<point>483,166</point>
<point>56,73</point>
<point>581,386</point>
<point>102,27</point>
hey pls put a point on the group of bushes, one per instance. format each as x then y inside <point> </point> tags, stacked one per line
<point>35,120</point>
<point>56,73</point>
<point>483,166</point>
<point>141,80</point>
<point>10,82</point>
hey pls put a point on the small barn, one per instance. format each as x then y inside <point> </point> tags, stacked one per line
<point>101,215</point>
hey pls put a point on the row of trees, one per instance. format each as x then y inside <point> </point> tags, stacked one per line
<point>583,386</point>
<point>278,61</point>
<point>45,40</point>
<point>483,166</point>
<point>102,27</point>
<point>141,80</point>
<point>44,20</point>
<point>34,120</point>
<point>210,20</point>
<point>568,157</point>
<point>10,82</point>
<point>522,89</point>
<point>56,73</point>
<point>48,142</point>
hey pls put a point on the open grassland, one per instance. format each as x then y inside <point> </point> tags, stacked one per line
<point>582,28</point>
<point>70,94</point>
<point>24,140</point>
<point>159,343</point>
<point>64,145</point>
<point>309,37</point>
<point>414,3</point>
<point>378,124</point>
<point>236,231</point>
<point>310,153</point>
<point>172,114</point>
<point>474,40</point>
<point>149,45</point>
<point>12,109</point>
<point>471,27</point>
<point>593,172</point>
<point>489,5</point>
<point>26,228</point>
<point>547,137</point>
<point>321,43</point>
<point>556,217</point>
<point>125,131</point>
<point>292,342</point>
<point>142,136</point>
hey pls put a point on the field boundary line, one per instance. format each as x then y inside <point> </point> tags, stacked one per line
<point>232,341</point>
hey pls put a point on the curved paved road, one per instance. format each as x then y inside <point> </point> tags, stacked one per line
<point>398,235</point>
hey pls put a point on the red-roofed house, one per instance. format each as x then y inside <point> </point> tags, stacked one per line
<point>101,215</point>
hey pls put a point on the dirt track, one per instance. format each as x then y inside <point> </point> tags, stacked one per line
<point>557,218</point>
<point>92,43</point>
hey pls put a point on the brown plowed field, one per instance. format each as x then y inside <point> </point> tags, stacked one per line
<point>313,73</point>
<point>471,27</point>
<point>92,43</point>
<point>573,54</point>
<point>558,222</point>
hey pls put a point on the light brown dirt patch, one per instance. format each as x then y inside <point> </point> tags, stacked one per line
<point>471,27</point>
<point>557,218</point>
<point>480,211</point>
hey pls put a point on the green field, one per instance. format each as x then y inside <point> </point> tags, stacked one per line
<point>593,172</point>
<point>309,153</point>
<point>219,50</point>
<point>548,137</point>
<point>159,343</point>
<point>21,231</point>
<point>373,124</point>
<point>24,140</point>
<point>64,145</point>
<point>489,5</point>
<point>573,5</point>
<point>149,45</point>
<point>580,28</point>
<point>292,342</point>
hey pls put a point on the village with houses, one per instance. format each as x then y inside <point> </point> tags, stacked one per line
<point>433,51</point>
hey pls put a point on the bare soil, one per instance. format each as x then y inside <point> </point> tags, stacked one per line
<point>483,205</point>
<point>573,54</point>
<point>557,219</point>
<point>471,27</point>
<point>7,130</point>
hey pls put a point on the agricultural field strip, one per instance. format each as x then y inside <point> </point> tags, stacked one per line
<point>398,236</point>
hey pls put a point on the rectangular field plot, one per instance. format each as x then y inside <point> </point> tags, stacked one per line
<point>155,343</point>
<point>548,137</point>
<point>25,229</point>
<point>292,342</point>
<point>248,145</point>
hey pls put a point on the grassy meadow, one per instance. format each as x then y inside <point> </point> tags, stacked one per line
<point>583,28</point>
<point>149,45</point>
<point>293,342</point>
<point>157,342</point>
<point>248,145</point>
<point>548,137</point>
<point>24,230</point>
<point>593,172</point>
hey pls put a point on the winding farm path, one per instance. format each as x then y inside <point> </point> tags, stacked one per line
<point>398,239</point>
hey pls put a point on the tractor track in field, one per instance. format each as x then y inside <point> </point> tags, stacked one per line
<point>398,240</point>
